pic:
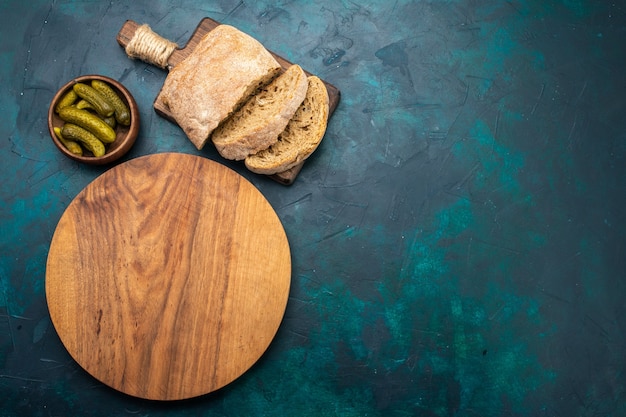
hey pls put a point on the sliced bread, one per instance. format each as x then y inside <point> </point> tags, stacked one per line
<point>226,67</point>
<point>301,137</point>
<point>257,124</point>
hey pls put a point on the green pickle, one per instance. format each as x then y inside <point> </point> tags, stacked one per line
<point>71,146</point>
<point>110,121</point>
<point>90,141</point>
<point>122,113</point>
<point>90,122</point>
<point>100,104</point>
<point>84,105</point>
<point>67,100</point>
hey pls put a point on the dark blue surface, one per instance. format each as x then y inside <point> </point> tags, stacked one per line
<point>457,240</point>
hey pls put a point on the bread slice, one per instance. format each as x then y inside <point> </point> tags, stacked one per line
<point>257,124</point>
<point>226,67</point>
<point>300,138</point>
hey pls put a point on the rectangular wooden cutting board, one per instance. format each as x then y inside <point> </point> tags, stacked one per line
<point>206,25</point>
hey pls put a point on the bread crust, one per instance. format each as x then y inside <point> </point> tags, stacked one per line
<point>224,70</point>
<point>257,124</point>
<point>301,137</point>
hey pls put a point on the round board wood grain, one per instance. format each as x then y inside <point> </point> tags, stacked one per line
<point>168,276</point>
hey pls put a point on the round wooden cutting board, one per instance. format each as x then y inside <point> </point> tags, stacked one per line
<point>168,276</point>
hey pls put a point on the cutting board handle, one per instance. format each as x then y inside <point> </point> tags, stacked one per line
<point>141,42</point>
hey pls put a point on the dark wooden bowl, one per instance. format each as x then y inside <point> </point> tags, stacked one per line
<point>126,135</point>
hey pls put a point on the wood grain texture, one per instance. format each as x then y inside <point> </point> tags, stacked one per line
<point>205,26</point>
<point>168,276</point>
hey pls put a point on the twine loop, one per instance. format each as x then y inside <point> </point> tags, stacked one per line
<point>150,47</point>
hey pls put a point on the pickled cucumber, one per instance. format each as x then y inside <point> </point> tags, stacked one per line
<point>110,121</point>
<point>71,146</point>
<point>90,122</point>
<point>100,104</point>
<point>84,105</point>
<point>122,113</point>
<point>90,142</point>
<point>67,100</point>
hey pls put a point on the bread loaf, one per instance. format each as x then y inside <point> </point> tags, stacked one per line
<point>257,124</point>
<point>301,137</point>
<point>224,70</point>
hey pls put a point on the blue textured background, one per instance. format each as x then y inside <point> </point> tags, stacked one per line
<point>458,238</point>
